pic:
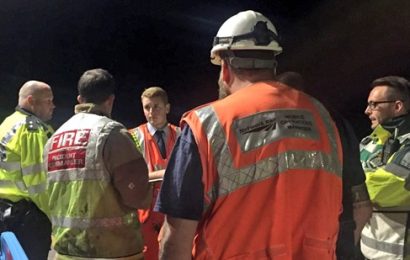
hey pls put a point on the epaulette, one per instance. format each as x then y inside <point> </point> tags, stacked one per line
<point>366,140</point>
<point>32,123</point>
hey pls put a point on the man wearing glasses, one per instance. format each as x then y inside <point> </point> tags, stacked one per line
<point>385,157</point>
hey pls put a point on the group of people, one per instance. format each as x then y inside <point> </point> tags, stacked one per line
<point>265,172</point>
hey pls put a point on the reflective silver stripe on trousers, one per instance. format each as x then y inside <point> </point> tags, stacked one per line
<point>395,249</point>
<point>83,223</point>
<point>32,169</point>
<point>232,178</point>
<point>75,175</point>
<point>10,166</point>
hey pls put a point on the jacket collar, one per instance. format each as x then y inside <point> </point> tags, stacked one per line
<point>401,123</point>
<point>89,108</point>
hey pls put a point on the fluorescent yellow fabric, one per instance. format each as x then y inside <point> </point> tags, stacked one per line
<point>22,173</point>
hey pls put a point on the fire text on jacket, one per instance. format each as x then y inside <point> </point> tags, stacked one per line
<point>68,150</point>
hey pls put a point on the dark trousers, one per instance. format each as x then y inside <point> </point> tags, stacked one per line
<point>31,227</point>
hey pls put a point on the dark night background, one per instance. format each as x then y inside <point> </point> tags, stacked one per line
<point>338,46</point>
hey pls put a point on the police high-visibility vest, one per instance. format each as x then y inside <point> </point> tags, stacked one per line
<point>88,217</point>
<point>22,173</point>
<point>271,159</point>
<point>386,235</point>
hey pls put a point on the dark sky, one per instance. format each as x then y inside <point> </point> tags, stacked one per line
<point>339,47</point>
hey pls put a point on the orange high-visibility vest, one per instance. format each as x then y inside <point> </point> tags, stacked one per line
<point>149,148</point>
<point>271,159</point>
<point>152,221</point>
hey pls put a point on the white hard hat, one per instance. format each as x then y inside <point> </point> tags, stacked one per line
<point>248,30</point>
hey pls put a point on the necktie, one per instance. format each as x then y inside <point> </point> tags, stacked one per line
<point>160,141</point>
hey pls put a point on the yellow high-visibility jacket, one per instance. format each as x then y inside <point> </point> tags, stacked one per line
<point>22,173</point>
<point>386,235</point>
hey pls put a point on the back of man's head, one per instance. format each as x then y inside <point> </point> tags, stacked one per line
<point>96,86</point>
<point>32,88</point>
<point>400,88</point>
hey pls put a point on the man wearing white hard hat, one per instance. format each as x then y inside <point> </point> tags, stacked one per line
<point>256,174</point>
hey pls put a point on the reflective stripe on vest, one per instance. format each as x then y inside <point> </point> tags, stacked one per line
<point>33,169</point>
<point>78,175</point>
<point>399,171</point>
<point>263,169</point>
<point>34,189</point>
<point>139,137</point>
<point>7,137</point>
<point>10,166</point>
<point>84,223</point>
<point>337,168</point>
<point>395,249</point>
<point>11,184</point>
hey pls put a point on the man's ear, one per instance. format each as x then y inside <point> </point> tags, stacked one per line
<point>399,106</point>
<point>168,107</point>
<point>30,100</point>
<point>110,100</point>
<point>80,99</point>
<point>225,72</point>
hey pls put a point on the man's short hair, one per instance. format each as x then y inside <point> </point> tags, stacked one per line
<point>155,92</point>
<point>399,85</point>
<point>96,86</point>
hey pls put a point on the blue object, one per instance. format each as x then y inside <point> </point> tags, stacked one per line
<point>11,248</point>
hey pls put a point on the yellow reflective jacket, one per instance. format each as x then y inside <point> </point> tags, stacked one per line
<point>388,183</point>
<point>22,173</point>
<point>88,218</point>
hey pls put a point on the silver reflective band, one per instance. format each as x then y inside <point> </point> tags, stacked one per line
<point>232,178</point>
<point>330,130</point>
<point>75,175</point>
<point>32,169</point>
<point>11,184</point>
<point>396,249</point>
<point>7,137</point>
<point>10,166</point>
<point>83,223</point>
<point>401,171</point>
<point>36,189</point>
<point>141,141</point>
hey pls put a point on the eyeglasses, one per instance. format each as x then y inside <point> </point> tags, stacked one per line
<point>373,104</point>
